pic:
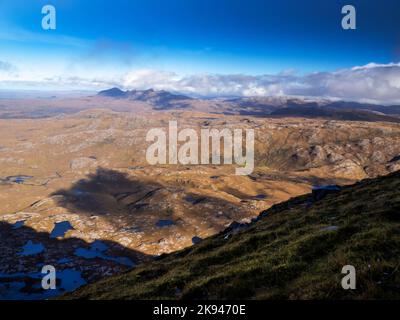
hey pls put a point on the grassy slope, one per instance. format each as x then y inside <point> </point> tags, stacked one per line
<point>285,255</point>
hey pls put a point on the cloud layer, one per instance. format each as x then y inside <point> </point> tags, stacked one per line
<point>372,83</point>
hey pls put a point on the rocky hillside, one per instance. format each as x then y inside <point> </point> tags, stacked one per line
<point>86,174</point>
<point>294,250</point>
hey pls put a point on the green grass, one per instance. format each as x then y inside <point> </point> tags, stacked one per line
<point>285,255</point>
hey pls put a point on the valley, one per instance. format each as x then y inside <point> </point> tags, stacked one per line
<point>77,192</point>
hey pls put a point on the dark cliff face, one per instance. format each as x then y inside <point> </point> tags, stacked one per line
<point>294,250</point>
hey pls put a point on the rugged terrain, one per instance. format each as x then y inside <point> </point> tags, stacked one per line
<point>76,190</point>
<point>294,250</point>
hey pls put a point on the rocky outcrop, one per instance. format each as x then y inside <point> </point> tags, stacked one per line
<point>81,163</point>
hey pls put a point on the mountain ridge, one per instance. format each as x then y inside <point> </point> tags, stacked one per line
<point>160,99</point>
<point>334,114</point>
<point>280,106</point>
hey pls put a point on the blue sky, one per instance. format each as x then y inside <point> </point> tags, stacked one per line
<point>105,39</point>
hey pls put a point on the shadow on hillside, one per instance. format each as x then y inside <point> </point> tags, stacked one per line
<point>115,195</point>
<point>24,251</point>
<point>106,192</point>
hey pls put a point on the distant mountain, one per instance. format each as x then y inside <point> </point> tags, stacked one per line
<point>262,106</point>
<point>389,110</point>
<point>113,93</point>
<point>310,108</point>
<point>158,99</point>
<point>282,106</point>
<point>334,114</point>
<point>294,250</point>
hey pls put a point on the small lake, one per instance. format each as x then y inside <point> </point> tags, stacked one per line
<point>196,240</point>
<point>18,224</point>
<point>18,179</point>
<point>30,249</point>
<point>260,196</point>
<point>164,223</point>
<point>97,249</point>
<point>13,286</point>
<point>327,187</point>
<point>60,229</point>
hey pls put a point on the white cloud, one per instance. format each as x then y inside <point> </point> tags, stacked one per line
<point>379,83</point>
<point>144,79</point>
